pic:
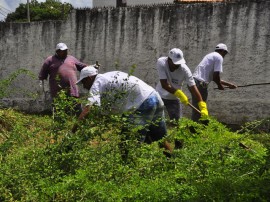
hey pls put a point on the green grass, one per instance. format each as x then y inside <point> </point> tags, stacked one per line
<point>41,160</point>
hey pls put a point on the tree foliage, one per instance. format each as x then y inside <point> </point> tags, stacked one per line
<point>49,10</point>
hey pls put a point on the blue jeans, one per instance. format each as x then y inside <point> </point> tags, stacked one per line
<point>150,115</point>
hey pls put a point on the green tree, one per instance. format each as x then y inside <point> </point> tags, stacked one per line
<point>49,10</point>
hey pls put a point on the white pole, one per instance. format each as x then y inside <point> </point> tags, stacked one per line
<point>28,11</point>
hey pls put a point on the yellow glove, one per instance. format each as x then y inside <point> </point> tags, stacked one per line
<point>203,108</point>
<point>181,95</point>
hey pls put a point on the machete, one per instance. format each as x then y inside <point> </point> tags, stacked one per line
<point>247,85</point>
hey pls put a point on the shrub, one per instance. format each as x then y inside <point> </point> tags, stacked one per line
<point>40,163</point>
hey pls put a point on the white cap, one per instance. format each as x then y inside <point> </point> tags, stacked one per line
<point>61,46</point>
<point>177,56</point>
<point>87,71</point>
<point>221,46</point>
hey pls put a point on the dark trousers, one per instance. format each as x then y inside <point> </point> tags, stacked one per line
<point>204,93</point>
<point>174,109</point>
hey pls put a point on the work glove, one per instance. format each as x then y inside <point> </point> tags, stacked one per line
<point>40,90</point>
<point>203,108</point>
<point>181,95</point>
<point>41,83</point>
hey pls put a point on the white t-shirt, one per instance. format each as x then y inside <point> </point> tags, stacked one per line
<point>211,63</point>
<point>175,79</point>
<point>119,92</point>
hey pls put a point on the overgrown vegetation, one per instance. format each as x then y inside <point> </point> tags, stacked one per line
<point>48,10</point>
<point>41,160</point>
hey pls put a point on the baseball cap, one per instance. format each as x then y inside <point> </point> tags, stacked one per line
<point>61,46</point>
<point>177,56</point>
<point>221,46</point>
<point>87,71</point>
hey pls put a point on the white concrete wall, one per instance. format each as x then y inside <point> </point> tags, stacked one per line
<point>119,38</point>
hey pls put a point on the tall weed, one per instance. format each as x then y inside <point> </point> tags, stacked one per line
<point>41,163</point>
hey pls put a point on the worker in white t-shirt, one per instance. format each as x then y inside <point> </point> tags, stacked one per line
<point>209,69</point>
<point>123,94</point>
<point>172,72</point>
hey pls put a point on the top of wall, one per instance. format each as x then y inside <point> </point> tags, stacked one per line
<point>108,3</point>
<point>112,3</point>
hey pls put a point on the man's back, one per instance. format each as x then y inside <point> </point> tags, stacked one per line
<point>211,63</point>
<point>121,91</point>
